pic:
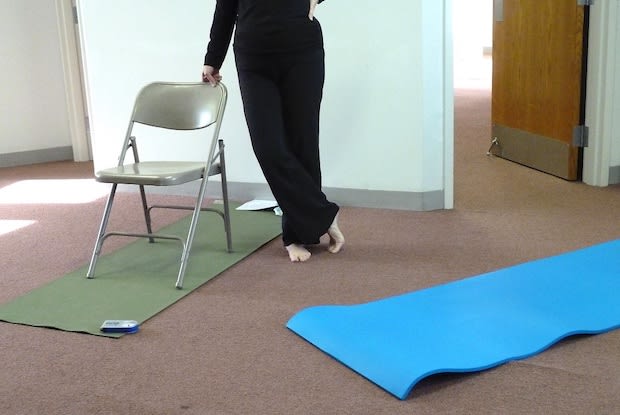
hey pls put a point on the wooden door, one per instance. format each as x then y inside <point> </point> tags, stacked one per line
<point>538,84</point>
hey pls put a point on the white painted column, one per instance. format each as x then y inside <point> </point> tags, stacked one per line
<point>73,80</point>
<point>603,93</point>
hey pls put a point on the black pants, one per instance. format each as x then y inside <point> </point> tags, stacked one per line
<point>281,96</point>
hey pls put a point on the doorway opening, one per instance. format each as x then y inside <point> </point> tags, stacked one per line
<point>472,29</point>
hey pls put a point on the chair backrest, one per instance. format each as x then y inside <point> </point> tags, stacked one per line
<point>179,106</point>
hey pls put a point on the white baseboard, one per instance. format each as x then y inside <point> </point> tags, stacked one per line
<point>414,201</point>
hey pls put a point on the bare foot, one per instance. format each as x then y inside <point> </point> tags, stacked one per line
<point>336,238</point>
<point>298,253</point>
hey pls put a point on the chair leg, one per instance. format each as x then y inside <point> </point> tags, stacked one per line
<point>225,196</point>
<point>191,232</point>
<point>147,215</point>
<point>100,236</point>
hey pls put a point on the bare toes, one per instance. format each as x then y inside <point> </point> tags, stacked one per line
<point>298,253</point>
<point>336,238</point>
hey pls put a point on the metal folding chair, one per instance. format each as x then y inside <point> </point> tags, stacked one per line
<point>180,107</point>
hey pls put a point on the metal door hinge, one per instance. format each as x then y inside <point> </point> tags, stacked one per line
<point>580,136</point>
<point>585,2</point>
<point>75,15</point>
<point>498,10</point>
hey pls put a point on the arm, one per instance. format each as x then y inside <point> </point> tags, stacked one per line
<point>221,32</point>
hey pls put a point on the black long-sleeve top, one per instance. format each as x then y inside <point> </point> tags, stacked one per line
<point>262,26</point>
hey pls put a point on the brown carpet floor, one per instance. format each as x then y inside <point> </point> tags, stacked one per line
<point>224,348</point>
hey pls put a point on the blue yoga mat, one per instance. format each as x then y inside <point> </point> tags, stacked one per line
<point>472,324</point>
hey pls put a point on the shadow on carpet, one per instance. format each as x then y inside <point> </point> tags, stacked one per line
<point>138,280</point>
<point>472,324</point>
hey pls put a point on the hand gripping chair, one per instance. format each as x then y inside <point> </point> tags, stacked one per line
<point>179,107</point>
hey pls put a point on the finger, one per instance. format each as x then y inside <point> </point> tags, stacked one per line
<point>207,77</point>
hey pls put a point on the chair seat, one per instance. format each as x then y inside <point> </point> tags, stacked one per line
<point>156,173</point>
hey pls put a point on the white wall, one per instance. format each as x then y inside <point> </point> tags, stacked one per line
<point>383,110</point>
<point>33,113</point>
<point>383,106</point>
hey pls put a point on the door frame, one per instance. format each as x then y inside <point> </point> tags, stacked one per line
<point>602,84</point>
<point>448,110</point>
<point>73,75</point>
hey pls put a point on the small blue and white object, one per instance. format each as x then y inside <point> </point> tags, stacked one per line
<point>120,326</point>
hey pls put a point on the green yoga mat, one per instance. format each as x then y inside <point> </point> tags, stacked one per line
<point>138,281</point>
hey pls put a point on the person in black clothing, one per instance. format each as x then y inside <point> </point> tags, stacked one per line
<point>278,48</point>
